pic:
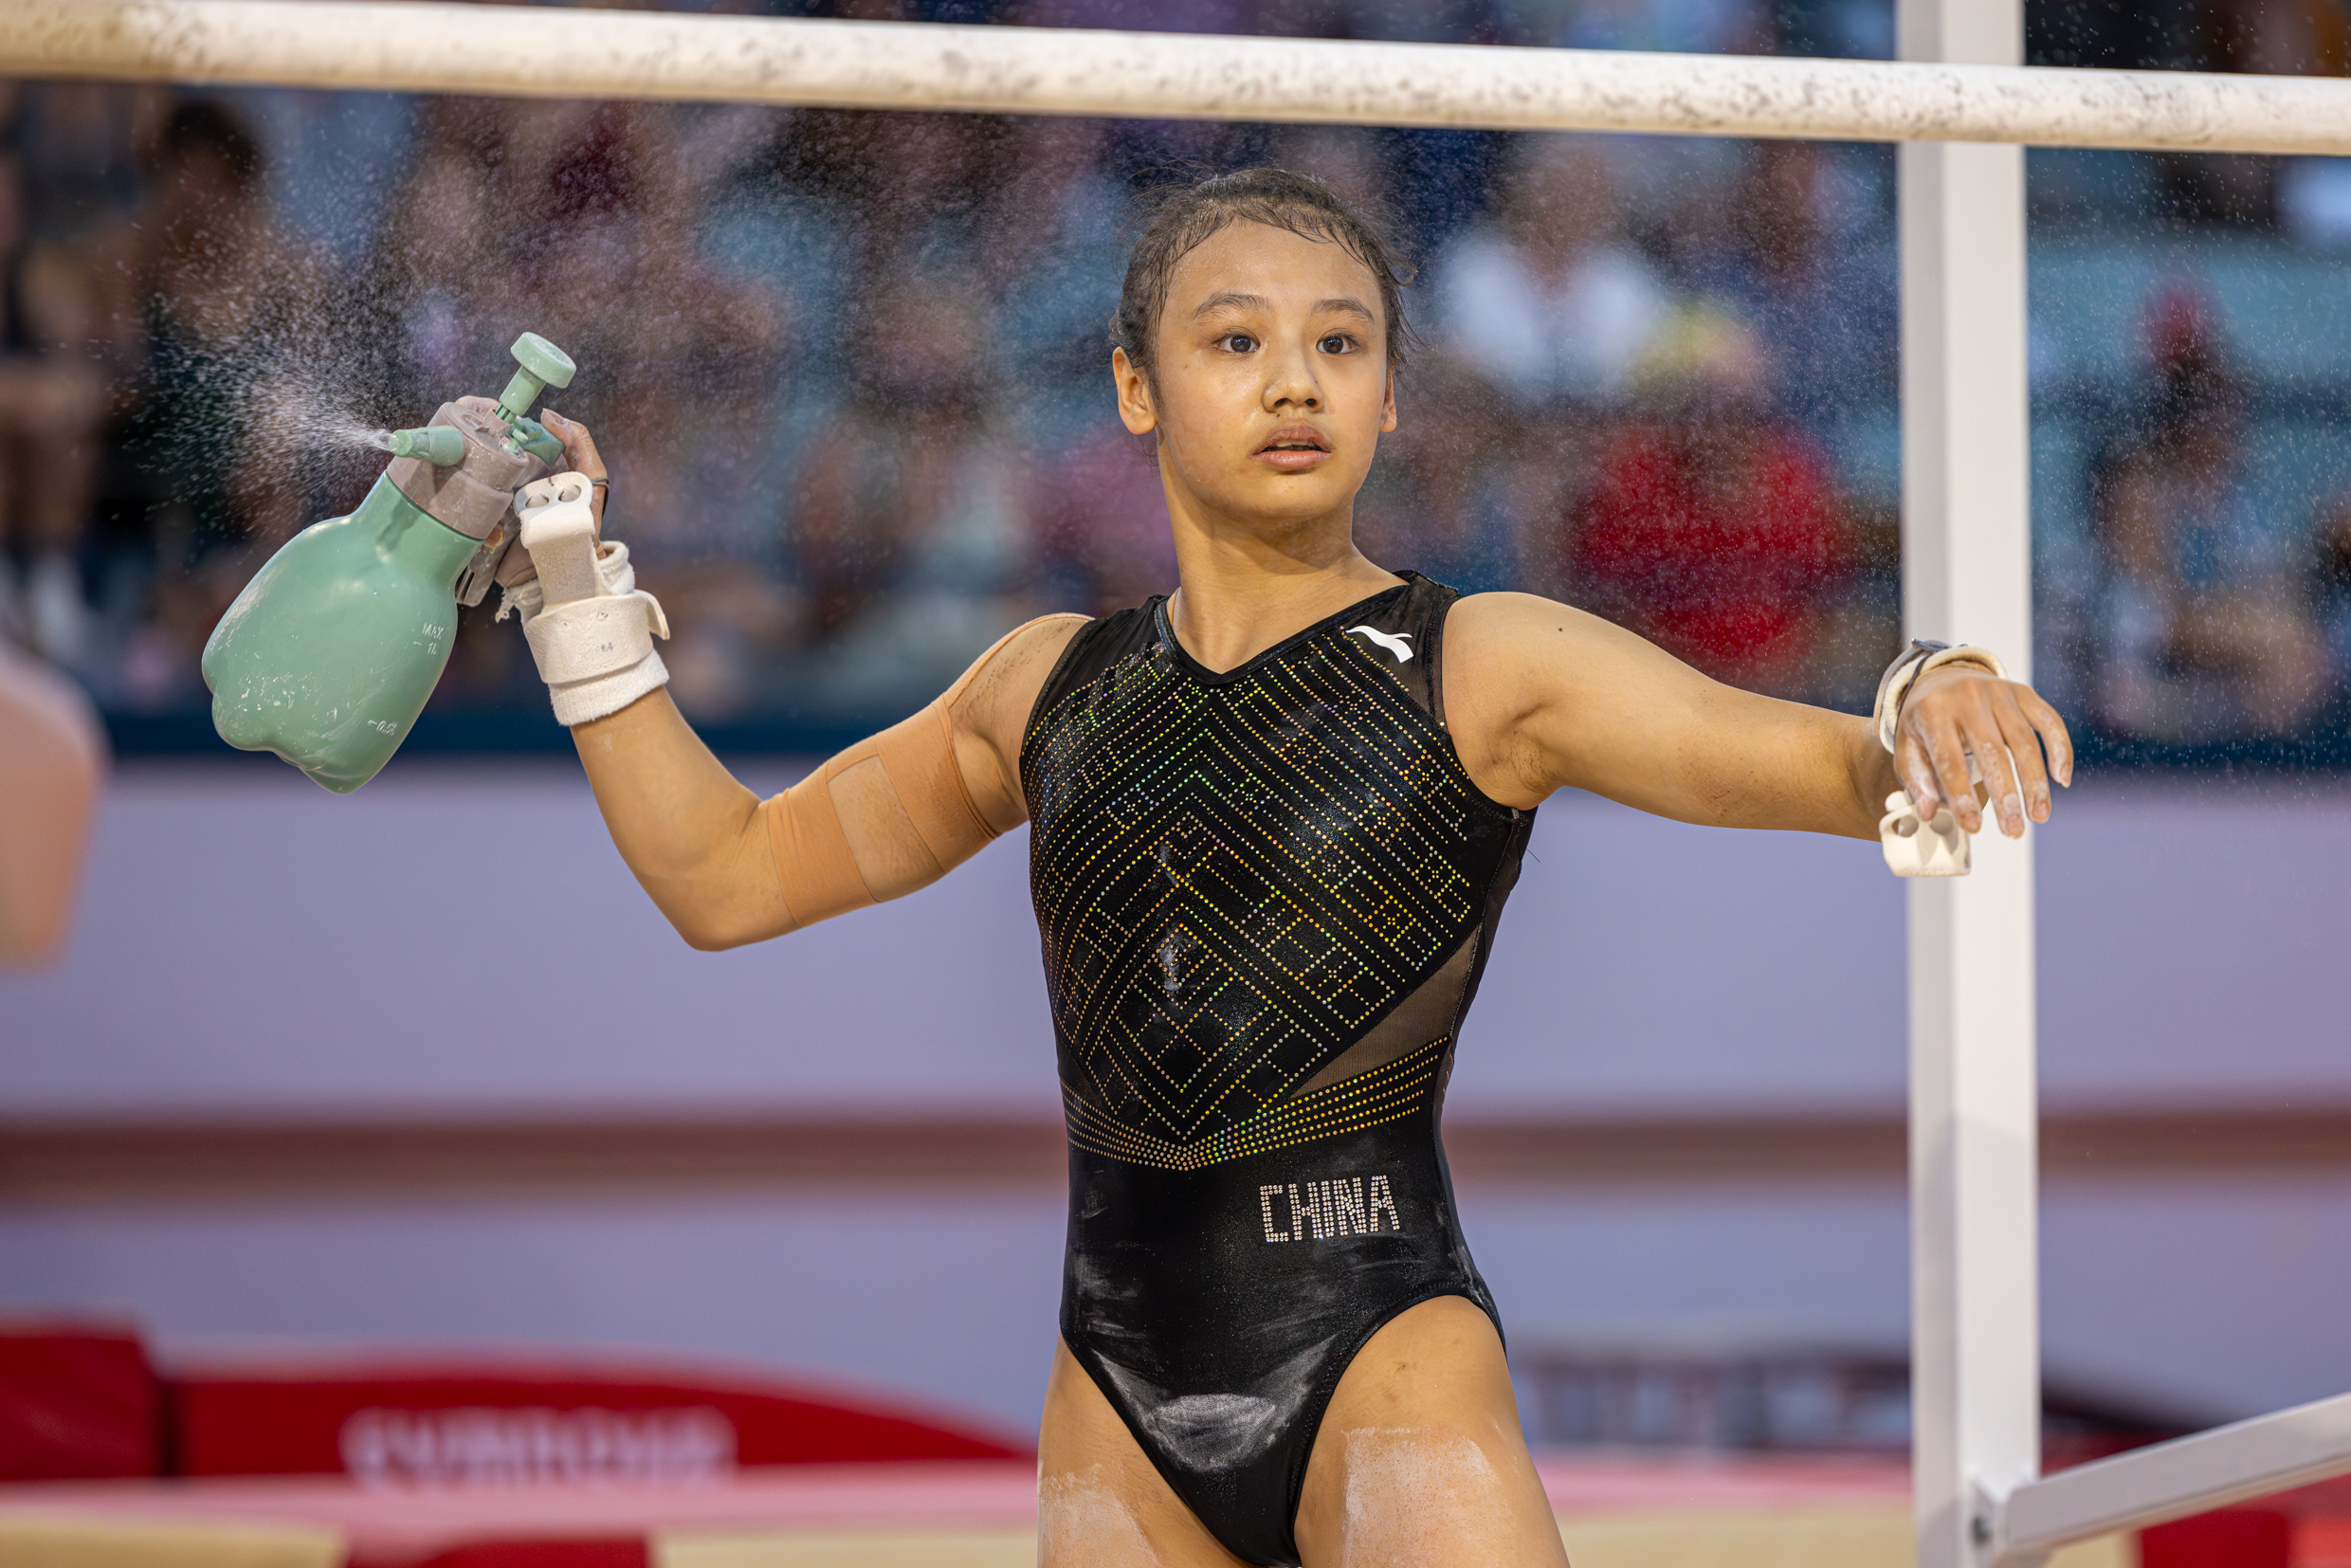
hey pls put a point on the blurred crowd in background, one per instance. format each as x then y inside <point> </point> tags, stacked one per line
<point>850,369</point>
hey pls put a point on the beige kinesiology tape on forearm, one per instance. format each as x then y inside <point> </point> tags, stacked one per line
<point>883,818</point>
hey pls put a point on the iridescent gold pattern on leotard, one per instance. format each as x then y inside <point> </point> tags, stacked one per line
<point>1237,880</point>
<point>1367,1100</point>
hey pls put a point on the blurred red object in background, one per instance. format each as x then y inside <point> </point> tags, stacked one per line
<point>2230,1537</point>
<point>502,1421</point>
<point>76,1403</point>
<point>620,1552</point>
<point>80,1402</point>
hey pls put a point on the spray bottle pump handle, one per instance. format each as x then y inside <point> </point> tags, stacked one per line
<point>543,365</point>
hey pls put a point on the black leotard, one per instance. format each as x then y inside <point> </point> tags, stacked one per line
<point>1266,898</point>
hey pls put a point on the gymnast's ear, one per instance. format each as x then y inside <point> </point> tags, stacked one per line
<point>1135,408</point>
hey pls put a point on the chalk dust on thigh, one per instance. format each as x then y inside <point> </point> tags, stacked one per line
<point>1422,1497</point>
<point>1081,1519</point>
<point>1420,1462</point>
<point>1099,1502</point>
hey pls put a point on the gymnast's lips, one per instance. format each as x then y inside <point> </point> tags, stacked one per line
<point>1293,448</point>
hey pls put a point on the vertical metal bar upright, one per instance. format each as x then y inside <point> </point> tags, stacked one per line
<point>1967,573</point>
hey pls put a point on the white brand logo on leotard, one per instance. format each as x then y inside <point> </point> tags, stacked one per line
<point>1341,1207</point>
<point>1398,642</point>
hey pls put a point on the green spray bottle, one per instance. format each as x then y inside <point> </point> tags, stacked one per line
<point>328,655</point>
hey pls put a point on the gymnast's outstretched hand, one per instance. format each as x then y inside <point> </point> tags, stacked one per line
<point>1961,710</point>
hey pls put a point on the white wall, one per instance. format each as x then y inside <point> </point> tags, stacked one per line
<point>462,936</point>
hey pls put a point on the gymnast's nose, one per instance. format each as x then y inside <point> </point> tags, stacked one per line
<point>1290,382</point>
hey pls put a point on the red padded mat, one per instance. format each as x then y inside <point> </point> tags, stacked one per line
<point>76,1403</point>
<point>521,1423</point>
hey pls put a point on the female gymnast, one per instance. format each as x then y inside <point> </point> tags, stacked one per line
<point>1274,817</point>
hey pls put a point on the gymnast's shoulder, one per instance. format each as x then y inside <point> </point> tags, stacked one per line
<point>1501,632</point>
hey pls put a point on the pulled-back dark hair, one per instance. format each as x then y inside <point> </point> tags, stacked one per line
<point>1174,218</point>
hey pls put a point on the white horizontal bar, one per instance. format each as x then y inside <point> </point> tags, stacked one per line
<point>2253,1458</point>
<point>536,51</point>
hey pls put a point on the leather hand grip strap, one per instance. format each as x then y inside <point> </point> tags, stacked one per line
<point>1913,661</point>
<point>883,818</point>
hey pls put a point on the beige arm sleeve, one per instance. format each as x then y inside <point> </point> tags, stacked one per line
<point>883,818</point>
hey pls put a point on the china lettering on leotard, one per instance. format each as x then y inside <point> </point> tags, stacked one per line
<point>1318,1211</point>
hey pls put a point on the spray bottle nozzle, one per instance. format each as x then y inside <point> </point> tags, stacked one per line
<point>543,365</point>
<point>444,446</point>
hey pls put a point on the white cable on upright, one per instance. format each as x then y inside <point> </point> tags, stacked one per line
<point>542,52</point>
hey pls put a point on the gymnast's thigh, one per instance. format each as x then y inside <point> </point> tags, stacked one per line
<point>1099,1502</point>
<point>1420,1462</point>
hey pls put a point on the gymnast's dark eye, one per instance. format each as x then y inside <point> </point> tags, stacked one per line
<point>1239,342</point>
<point>1335,342</point>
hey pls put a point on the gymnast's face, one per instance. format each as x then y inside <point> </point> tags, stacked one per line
<point>1272,384</point>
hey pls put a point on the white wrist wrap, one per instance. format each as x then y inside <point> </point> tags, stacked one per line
<point>589,627</point>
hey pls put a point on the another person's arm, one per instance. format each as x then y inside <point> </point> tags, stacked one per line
<point>52,765</point>
<point>1542,697</point>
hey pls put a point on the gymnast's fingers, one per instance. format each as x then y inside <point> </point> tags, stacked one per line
<point>1946,753</point>
<point>1916,773</point>
<point>580,447</point>
<point>1933,770</point>
<point>1998,760</point>
<point>2053,733</point>
<point>2024,745</point>
<point>579,450</point>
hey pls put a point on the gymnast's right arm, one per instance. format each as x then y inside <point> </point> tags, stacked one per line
<point>883,818</point>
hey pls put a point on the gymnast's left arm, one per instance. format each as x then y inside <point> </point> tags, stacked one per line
<point>1541,697</point>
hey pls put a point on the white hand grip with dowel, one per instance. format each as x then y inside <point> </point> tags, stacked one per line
<point>589,627</point>
<point>1916,849</point>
